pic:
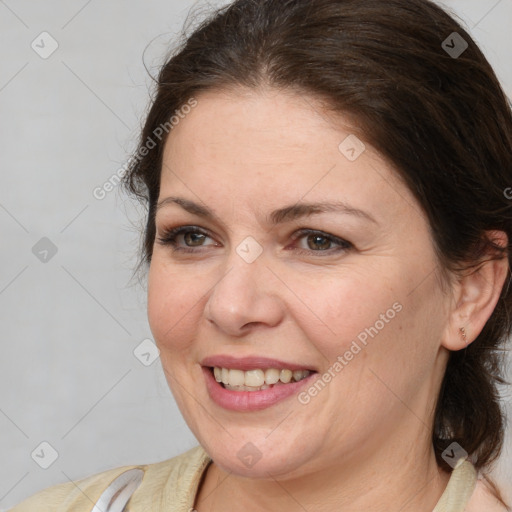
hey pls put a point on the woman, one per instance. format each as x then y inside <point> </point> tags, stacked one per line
<point>328,250</point>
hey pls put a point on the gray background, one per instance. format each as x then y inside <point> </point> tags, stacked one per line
<point>70,325</point>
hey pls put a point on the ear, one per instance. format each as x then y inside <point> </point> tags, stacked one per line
<point>475,297</point>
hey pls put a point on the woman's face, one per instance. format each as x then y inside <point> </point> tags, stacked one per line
<point>261,284</point>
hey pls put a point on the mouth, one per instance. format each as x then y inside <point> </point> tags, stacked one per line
<point>253,383</point>
<point>257,379</point>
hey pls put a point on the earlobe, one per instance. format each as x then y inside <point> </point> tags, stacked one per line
<point>477,294</point>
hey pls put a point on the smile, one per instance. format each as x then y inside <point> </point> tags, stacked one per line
<point>253,383</point>
<point>256,379</point>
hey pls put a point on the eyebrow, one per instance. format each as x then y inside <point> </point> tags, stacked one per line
<point>279,216</point>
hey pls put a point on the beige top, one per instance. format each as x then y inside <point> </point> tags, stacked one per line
<point>171,486</point>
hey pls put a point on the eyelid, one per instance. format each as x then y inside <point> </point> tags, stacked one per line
<point>169,233</point>
<point>309,231</point>
<point>342,243</point>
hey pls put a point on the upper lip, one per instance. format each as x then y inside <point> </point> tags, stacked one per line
<point>250,363</point>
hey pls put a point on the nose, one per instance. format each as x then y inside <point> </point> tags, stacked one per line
<point>245,298</point>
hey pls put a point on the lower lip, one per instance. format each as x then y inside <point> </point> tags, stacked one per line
<point>250,400</point>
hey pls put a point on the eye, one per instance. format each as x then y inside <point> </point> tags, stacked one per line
<point>320,242</point>
<point>190,239</point>
<point>184,238</point>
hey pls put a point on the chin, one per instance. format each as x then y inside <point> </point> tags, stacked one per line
<point>257,459</point>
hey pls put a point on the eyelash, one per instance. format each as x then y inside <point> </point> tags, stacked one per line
<point>169,237</point>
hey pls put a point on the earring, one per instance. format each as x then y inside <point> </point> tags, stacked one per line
<point>463,332</point>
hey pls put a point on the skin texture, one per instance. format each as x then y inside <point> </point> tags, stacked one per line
<point>364,441</point>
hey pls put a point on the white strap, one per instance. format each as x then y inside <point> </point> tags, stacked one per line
<point>115,497</point>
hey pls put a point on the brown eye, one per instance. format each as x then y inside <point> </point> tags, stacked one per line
<point>319,242</point>
<point>185,238</point>
<point>314,242</point>
<point>193,239</point>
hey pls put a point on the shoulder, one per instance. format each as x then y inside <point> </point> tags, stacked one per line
<point>483,499</point>
<point>159,478</point>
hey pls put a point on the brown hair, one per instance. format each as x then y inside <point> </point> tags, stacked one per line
<point>440,117</point>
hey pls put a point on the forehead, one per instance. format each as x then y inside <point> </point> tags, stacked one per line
<point>265,125</point>
<point>263,146</point>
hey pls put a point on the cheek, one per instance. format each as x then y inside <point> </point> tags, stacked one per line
<point>174,304</point>
<point>386,326</point>
<point>343,308</point>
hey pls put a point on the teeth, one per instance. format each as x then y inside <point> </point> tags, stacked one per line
<point>298,375</point>
<point>245,388</point>
<point>272,376</point>
<point>256,380</point>
<point>237,378</point>
<point>286,376</point>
